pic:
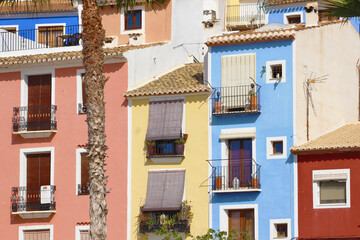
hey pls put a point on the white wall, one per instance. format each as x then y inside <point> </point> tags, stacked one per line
<point>332,50</point>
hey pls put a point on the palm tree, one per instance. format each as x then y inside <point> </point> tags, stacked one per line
<point>93,37</point>
<point>342,8</point>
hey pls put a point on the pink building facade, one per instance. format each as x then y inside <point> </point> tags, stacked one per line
<point>46,153</point>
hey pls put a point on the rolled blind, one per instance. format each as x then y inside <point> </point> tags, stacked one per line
<point>332,192</point>
<point>37,235</point>
<point>84,235</point>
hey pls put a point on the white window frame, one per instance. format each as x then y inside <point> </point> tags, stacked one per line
<point>316,188</point>
<point>269,147</point>
<point>224,216</point>
<point>48,25</point>
<point>23,162</point>
<point>122,21</point>
<point>237,133</point>
<point>36,227</point>
<point>273,230</point>
<point>79,83</point>
<point>269,78</point>
<point>24,84</point>
<point>293,14</point>
<point>79,151</point>
<point>78,229</point>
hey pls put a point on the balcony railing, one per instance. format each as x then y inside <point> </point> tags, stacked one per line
<point>83,189</point>
<point>33,198</point>
<point>235,175</point>
<point>153,221</point>
<point>165,148</point>
<point>43,37</point>
<point>243,14</point>
<point>243,99</point>
<point>34,118</point>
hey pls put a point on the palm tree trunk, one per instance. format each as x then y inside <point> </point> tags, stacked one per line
<point>93,36</point>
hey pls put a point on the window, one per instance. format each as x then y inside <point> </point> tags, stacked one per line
<point>280,229</point>
<point>242,221</point>
<point>293,18</point>
<point>323,17</point>
<point>331,188</point>
<point>164,135</point>
<point>276,147</point>
<point>133,20</point>
<point>82,172</point>
<point>81,94</point>
<point>82,233</point>
<point>50,35</point>
<point>275,71</point>
<point>10,29</point>
<point>42,232</point>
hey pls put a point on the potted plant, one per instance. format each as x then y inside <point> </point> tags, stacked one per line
<point>253,100</point>
<point>218,103</point>
<point>151,149</point>
<point>255,181</point>
<point>180,144</point>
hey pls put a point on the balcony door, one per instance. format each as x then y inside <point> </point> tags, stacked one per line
<point>38,174</point>
<point>50,36</point>
<point>242,221</point>
<point>240,163</point>
<point>39,102</point>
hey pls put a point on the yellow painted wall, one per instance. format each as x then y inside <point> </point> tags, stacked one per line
<point>196,154</point>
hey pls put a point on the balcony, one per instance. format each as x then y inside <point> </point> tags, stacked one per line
<point>151,222</point>
<point>235,175</point>
<point>43,37</point>
<point>244,16</point>
<point>33,201</point>
<point>166,151</point>
<point>237,100</point>
<point>34,121</point>
<point>83,189</point>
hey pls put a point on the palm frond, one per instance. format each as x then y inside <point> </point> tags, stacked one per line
<point>129,4</point>
<point>341,8</point>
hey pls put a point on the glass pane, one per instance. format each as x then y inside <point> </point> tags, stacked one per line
<point>138,19</point>
<point>332,192</point>
<point>129,20</point>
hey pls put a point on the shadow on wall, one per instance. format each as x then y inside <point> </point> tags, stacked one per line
<point>234,197</point>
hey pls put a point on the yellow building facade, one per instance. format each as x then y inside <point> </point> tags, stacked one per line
<point>171,172</point>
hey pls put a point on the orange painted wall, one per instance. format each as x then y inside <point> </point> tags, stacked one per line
<point>331,222</point>
<point>71,132</point>
<point>157,23</point>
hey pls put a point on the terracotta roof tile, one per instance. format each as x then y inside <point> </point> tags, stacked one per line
<point>262,36</point>
<point>65,56</point>
<point>51,6</point>
<point>281,2</point>
<point>187,79</point>
<point>345,138</point>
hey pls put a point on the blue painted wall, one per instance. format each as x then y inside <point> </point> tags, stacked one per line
<point>28,23</point>
<point>277,15</point>
<point>275,201</point>
<point>356,23</point>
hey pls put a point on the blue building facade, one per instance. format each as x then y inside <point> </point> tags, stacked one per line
<point>239,135</point>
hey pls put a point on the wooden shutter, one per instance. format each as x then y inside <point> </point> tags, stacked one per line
<point>39,102</point>
<point>84,235</point>
<point>84,99</point>
<point>242,221</point>
<point>49,36</point>
<point>37,235</point>
<point>84,169</point>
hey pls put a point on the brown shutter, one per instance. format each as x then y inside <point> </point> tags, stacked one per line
<point>37,235</point>
<point>84,169</point>
<point>83,90</point>
<point>165,120</point>
<point>165,190</point>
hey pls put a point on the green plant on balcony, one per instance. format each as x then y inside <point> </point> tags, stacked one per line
<point>150,143</point>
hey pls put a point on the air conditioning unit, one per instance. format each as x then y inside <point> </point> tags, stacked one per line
<point>136,38</point>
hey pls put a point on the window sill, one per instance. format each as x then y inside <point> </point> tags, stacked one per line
<point>166,158</point>
<point>35,134</point>
<point>34,214</point>
<point>324,206</point>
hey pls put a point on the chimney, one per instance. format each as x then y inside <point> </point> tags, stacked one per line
<point>311,14</point>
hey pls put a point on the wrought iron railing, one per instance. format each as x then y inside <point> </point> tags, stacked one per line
<point>83,189</point>
<point>163,148</point>
<point>33,198</point>
<point>153,221</point>
<point>43,37</point>
<point>243,99</point>
<point>34,118</point>
<point>244,13</point>
<point>235,174</point>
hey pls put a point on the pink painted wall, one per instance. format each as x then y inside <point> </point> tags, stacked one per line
<point>157,23</point>
<point>71,132</point>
